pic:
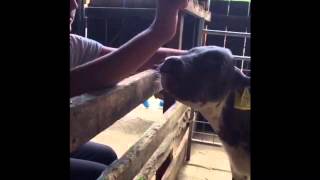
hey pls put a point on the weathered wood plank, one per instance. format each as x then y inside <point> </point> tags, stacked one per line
<point>198,11</point>
<point>181,130</point>
<point>92,113</point>
<point>191,129</point>
<point>178,159</point>
<point>159,156</point>
<point>129,165</point>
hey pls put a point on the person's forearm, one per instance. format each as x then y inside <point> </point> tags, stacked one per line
<point>156,59</point>
<point>159,57</point>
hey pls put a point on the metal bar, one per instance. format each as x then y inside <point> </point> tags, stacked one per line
<point>208,134</point>
<point>203,122</point>
<point>242,58</point>
<point>207,142</point>
<point>227,33</point>
<point>231,19</point>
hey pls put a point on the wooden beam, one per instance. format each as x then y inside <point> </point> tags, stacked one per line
<point>188,153</point>
<point>92,113</point>
<point>129,165</point>
<point>191,129</point>
<point>178,159</point>
<point>181,129</point>
<point>162,169</point>
<point>159,156</point>
<point>198,11</point>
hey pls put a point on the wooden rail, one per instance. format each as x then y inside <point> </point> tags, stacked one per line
<point>160,134</point>
<point>92,113</point>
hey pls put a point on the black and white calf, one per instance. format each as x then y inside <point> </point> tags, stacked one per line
<point>205,79</point>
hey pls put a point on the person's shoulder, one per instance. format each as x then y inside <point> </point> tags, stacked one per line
<point>83,49</point>
<point>75,37</point>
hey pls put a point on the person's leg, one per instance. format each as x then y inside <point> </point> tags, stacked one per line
<point>85,170</point>
<point>90,160</point>
<point>95,152</point>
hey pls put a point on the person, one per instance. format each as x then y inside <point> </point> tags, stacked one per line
<point>94,66</point>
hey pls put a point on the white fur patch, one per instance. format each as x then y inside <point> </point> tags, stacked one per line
<point>212,111</point>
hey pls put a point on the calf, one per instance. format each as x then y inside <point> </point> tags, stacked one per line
<point>206,79</point>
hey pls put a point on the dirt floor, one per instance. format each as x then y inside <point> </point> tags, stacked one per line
<point>206,163</point>
<point>128,130</point>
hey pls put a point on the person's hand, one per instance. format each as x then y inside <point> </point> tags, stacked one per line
<point>165,24</point>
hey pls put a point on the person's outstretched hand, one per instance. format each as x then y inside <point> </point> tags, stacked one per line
<point>165,24</point>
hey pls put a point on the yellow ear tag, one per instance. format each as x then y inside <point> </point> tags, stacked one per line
<point>243,101</point>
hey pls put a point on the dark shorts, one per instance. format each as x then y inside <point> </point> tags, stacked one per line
<point>89,161</point>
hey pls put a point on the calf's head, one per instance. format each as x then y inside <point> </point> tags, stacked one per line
<point>203,75</point>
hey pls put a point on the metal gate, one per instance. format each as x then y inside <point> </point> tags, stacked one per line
<point>230,28</point>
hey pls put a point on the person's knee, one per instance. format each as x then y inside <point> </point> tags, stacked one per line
<point>109,156</point>
<point>105,154</point>
<point>96,152</point>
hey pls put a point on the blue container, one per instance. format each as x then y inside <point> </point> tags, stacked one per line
<point>161,103</point>
<point>146,104</point>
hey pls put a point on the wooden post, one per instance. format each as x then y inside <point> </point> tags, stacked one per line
<point>191,125</point>
<point>163,155</point>
<point>177,160</point>
<point>162,169</point>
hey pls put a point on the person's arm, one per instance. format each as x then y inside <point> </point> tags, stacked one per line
<point>157,58</point>
<point>117,65</point>
<point>160,56</point>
